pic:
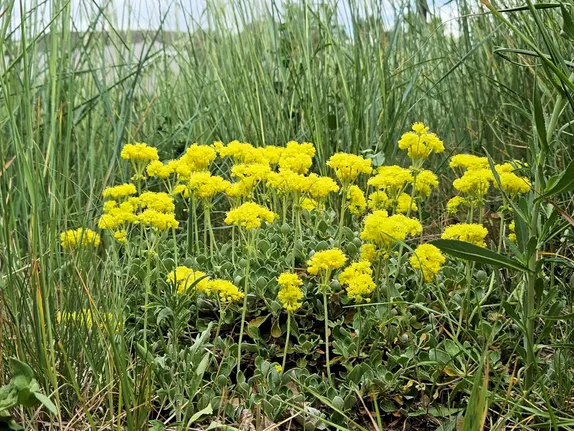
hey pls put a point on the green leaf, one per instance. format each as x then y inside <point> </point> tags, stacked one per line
<point>539,119</point>
<point>19,368</point>
<point>564,184</point>
<point>467,251</point>
<point>203,364</point>
<point>46,402</point>
<point>568,27</point>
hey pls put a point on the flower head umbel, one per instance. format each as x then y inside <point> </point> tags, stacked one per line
<point>249,216</point>
<point>81,237</point>
<point>468,232</point>
<point>511,183</point>
<point>391,179</point>
<point>357,201</point>
<point>185,278</point>
<point>225,290</point>
<point>426,181</point>
<point>512,228</point>
<point>419,143</point>
<point>358,280</point>
<point>326,260</point>
<point>474,183</point>
<point>349,166</point>
<point>468,162</point>
<point>205,186</point>
<point>290,294</point>
<point>297,157</point>
<point>319,187</point>
<point>196,158</point>
<point>428,259</point>
<point>384,231</point>
<point>139,152</point>
<point>119,192</point>
<point>455,204</point>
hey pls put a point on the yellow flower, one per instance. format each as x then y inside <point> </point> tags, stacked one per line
<point>203,185</point>
<point>288,181</point>
<point>118,192</point>
<point>357,202</point>
<point>311,204</point>
<point>326,260</point>
<point>358,280</point>
<point>384,231</point>
<point>121,236</point>
<point>512,183</point>
<point>256,171</point>
<point>157,220</point>
<point>320,187</point>
<point>161,170</point>
<point>512,234</point>
<point>468,162</point>
<point>196,158</point>
<point>378,200</point>
<point>428,259</point>
<point>426,180</point>
<point>403,202</point>
<point>227,291</point>
<point>297,157</point>
<point>242,152</point>
<point>157,201</point>
<point>241,189</point>
<point>81,237</point>
<point>249,216</point>
<point>420,143</point>
<point>290,294</point>
<point>139,152</point>
<point>181,189</point>
<point>455,203</point>
<point>391,179</point>
<point>474,182</point>
<point>116,216</point>
<point>368,252</point>
<point>185,278</point>
<point>473,233</point>
<point>272,154</point>
<point>349,166</point>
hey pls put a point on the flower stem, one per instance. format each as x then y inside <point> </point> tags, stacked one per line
<point>286,341</point>
<point>195,227</point>
<point>326,315</point>
<point>244,311</point>
<point>342,214</point>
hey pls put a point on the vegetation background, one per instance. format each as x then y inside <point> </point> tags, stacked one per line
<point>260,72</point>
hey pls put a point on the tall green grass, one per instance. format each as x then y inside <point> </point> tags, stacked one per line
<point>259,72</point>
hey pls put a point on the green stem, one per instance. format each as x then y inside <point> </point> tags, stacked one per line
<point>326,315</point>
<point>195,227</point>
<point>286,341</point>
<point>244,311</point>
<point>342,214</point>
<point>358,331</point>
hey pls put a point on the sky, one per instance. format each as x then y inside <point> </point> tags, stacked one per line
<point>187,14</point>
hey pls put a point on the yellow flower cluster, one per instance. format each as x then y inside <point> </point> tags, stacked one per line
<point>468,162</point>
<point>226,290</point>
<point>419,143</point>
<point>311,204</point>
<point>290,294</point>
<point>205,186</point>
<point>391,179</point>
<point>384,231</point>
<point>369,252</point>
<point>185,278</point>
<point>358,280</point>
<point>249,216</point>
<point>454,204</point>
<point>326,260</point>
<point>474,183</point>
<point>139,152</point>
<point>349,166</point>
<point>119,192</point>
<point>468,232</point>
<point>149,209</point>
<point>428,259</point>
<point>196,158</point>
<point>357,201</point>
<point>81,237</point>
<point>426,181</point>
<point>513,184</point>
<point>512,234</point>
<point>242,152</point>
<point>162,170</point>
<point>297,157</point>
<point>319,187</point>
<point>378,200</point>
